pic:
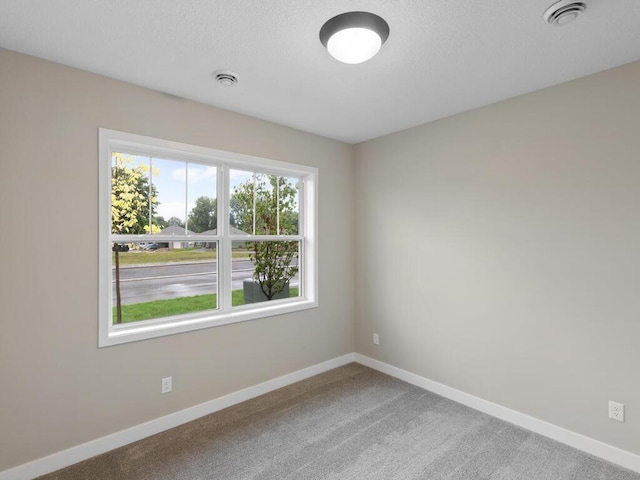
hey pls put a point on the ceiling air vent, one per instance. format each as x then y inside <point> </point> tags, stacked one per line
<point>226,78</point>
<point>563,12</point>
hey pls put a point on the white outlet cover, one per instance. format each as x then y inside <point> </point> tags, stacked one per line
<point>616,411</point>
<point>166,385</point>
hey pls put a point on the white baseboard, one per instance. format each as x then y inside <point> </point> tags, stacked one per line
<point>599,449</point>
<point>90,449</point>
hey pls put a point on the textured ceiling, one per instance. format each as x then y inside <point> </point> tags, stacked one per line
<point>442,56</point>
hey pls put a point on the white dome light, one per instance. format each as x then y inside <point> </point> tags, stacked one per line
<point>354,37</point>
<point>354,45</point>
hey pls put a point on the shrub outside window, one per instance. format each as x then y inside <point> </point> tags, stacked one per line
<point>192,237</point>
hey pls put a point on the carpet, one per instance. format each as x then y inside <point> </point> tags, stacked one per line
<point>351,423</point>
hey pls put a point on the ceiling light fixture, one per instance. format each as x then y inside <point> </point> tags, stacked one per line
<point>354,37</point>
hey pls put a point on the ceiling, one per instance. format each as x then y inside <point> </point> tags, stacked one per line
<point>442,56</point>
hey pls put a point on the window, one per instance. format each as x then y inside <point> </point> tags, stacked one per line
<point>192,237</point>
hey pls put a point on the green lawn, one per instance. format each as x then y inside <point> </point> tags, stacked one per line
<point>178,306</point>
<point>146,257</point>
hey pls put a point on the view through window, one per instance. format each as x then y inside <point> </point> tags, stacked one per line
<point>194,239</point>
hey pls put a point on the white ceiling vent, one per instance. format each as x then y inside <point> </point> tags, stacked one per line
<point>226,78</point>
<point>563,12</point>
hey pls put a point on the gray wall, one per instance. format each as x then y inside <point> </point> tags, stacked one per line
<point>498,252</point>
<point>57,389</point>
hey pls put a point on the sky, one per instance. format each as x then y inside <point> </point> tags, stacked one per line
<point>179,184</point>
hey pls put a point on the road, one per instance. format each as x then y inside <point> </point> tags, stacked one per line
<point>156,282</point>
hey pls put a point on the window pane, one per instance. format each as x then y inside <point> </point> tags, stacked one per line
<point>265,270</point>
<point>169,179</point>
<point>201,188</point>
<point>289,193</point>
<point>129,194</point>
<point>155,279</point>
<point>263,204</point>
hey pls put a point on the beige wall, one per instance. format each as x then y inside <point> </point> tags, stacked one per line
<point>499,253</point>
<point>57,389</point>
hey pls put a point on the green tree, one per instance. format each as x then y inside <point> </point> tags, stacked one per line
<point>175,221</point>
<point>160,221</point>
<point>235,212</point>
<point>203,216</point>
<point>133,201</point>
<point>267,205</point>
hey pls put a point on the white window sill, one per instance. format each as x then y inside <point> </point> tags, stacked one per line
<point>132,332</point>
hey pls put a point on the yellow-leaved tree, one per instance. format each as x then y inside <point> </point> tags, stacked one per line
<point>133,204</point>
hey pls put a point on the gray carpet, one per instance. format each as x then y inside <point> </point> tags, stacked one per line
<point>350,423</point>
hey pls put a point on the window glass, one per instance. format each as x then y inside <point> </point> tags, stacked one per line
<point>265,270</point>
<point>170,192</point>
<point>202,202</point>
<point>162,278</point>
<point>263,204</point>
<point>158,279</point>
<point>131,206</point>
<point>165,266</point>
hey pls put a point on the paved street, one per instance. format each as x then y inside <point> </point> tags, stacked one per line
<point>155,282</point>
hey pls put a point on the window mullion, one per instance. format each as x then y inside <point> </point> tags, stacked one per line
<point>301,206</point>
<point>186,198</point>
<point>150,196</point>
<point>224,256</point>
<point>268,238</point>
<point>278,205</point>
<point>253,232</point>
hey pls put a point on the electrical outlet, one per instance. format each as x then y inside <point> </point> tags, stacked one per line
<point>616,411</point>
<point>376,339</point>
<point>166,385</point>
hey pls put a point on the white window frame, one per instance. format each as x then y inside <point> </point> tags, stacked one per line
<point>110,141</point>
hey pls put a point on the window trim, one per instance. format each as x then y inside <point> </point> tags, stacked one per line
<point>112,140</point>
